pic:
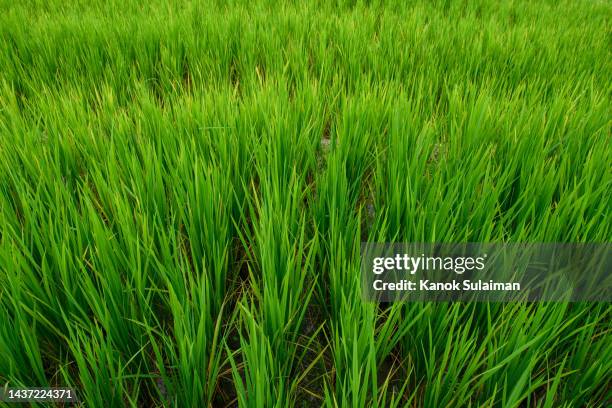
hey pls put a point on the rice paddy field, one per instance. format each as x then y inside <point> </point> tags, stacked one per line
<point>185,186</point>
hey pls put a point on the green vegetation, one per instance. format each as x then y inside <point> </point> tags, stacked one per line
<point>184,187</point>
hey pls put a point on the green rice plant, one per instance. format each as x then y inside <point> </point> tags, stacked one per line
<point>185,187</point>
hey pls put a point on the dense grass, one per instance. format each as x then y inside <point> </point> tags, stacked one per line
<point>184,188</point>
